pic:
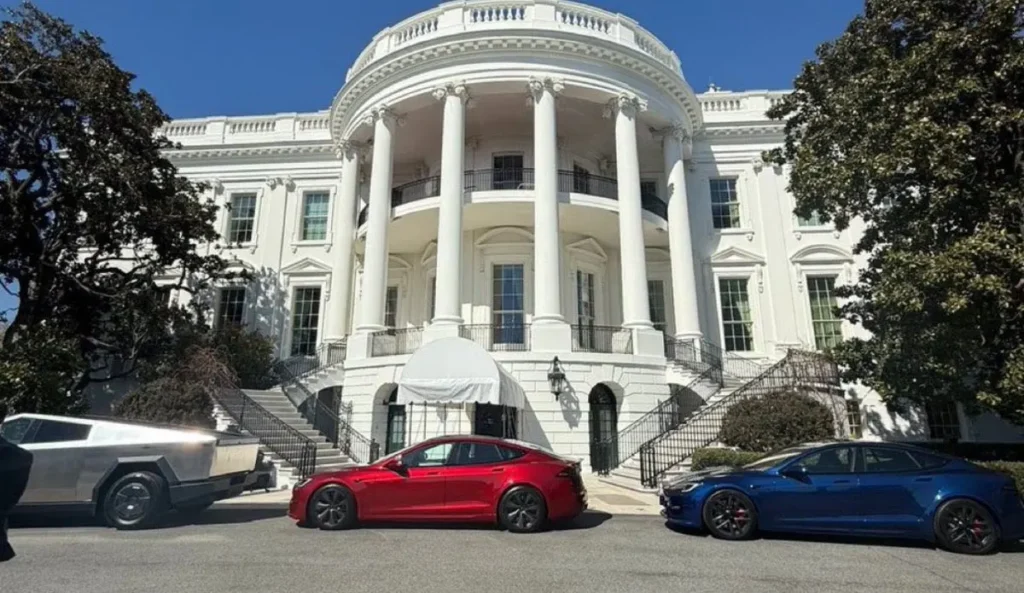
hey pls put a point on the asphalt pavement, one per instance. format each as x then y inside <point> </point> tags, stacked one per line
<point>248,549</point>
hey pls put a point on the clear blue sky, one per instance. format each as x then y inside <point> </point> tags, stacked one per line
<point>240,57</point>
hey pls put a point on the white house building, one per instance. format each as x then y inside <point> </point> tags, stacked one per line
<point>500,184</point>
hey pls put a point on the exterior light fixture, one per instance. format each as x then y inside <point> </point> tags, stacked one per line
<point>556,378</point>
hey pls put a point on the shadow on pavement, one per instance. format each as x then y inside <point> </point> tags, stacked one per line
<point>218,515</point>
<point>588,520</point>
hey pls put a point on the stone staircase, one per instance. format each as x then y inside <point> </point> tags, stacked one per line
<point>328,457</point>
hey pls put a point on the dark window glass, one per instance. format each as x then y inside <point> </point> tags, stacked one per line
<point>835,460</point>
<point>888,460</point>
<point>231,308</point>
<point>14,430</point>
<point>928,461</point>
<point>50,431</point>
<point>305,320</point>
<point>478,454</point>
<point>435,456</point>
<point>509,454</point>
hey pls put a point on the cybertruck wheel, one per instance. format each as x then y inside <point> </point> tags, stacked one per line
<point>135,501</point>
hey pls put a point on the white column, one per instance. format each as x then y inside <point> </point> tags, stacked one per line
<point>337,321</point>
<point>375,261</point>
<point>448,287</point>
<point>547,248</point>
<point>684,278</point>
<point>635,307</point>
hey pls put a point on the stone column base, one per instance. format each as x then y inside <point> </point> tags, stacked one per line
<point>648,342</point>
<point>358,346</point>
<point>552,336</point>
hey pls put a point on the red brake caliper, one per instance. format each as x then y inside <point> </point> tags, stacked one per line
<point>740,515</point>
<point>976,527</point>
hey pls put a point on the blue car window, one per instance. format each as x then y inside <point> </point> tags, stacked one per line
<point>834,460</point>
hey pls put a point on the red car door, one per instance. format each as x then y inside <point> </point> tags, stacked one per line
<point>475,479</point>
<point>416,491</point>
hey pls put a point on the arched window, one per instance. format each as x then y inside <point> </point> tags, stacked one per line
<point>604,431</point>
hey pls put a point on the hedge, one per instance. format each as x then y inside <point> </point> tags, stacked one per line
<point>776,421</point>
<point>1014,469</point>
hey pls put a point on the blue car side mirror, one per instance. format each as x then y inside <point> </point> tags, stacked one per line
<point>796,472</point>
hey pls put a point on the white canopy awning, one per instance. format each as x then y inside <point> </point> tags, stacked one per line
<point>455,371</point>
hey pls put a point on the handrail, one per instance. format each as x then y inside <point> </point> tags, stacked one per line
<point>272,432</point>
<point>328,422</point>
<point>326,355</point>
<point>608,339</point>
<point>797,369</point>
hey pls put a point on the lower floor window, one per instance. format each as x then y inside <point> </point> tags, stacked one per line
<point>853,418</point>
<point>305,320</point>
<point>737,321</point>
<point>943,421</point>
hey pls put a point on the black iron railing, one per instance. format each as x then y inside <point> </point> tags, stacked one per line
<point>804,371</point>
<point>585,183</point>
<point>654,205</point>
<point>602,338</point>
<point>498,179</point>
<point>326,355</point>
<point>498,338</point>
<point>326,419</point>
<point>392,342</point>
<point>273,433</point>
<point>699,354</point>
<point>420,189</point>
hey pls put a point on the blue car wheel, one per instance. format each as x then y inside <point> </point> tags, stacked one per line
<point>730,514</point>
<point>966,527</point>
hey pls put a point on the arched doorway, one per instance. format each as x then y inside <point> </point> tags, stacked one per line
<point>604,429</point>
<point>395,438</point>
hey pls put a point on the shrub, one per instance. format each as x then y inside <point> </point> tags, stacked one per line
<point>705,458</point>
<point>776,421</point>
<point>1014,469</point>
<point>169,401</point>
<point>249,354</point>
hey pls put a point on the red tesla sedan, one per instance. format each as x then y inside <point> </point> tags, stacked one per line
<point>452,478</point>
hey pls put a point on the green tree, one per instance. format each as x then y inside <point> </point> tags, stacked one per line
<point>92,213</point>
<point>912,122</point>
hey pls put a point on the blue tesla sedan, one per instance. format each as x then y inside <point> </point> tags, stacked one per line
<point>852,488</point>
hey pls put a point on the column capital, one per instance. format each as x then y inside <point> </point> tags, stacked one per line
<point>627,104</point>
<point>452,89</point>
<point>536,87</point>
<point>350,149</point>
<point>384,113</point>
<point>679,132</point>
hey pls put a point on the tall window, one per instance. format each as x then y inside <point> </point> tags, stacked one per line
<point>431,297</point>
<point>824,311</point>
<point>656,301</point>
<point>305,320</point>
<point>648,188</point>
<point>725,204</point>
<point>315,207</point>
<point>943,421</point>
<point>737,322</point>
<point>580,179</point>
<point>507,303</point>
<point>853,417</point>
<point>811,221</point>
<point>231,307</point>
<point>508,171</point>
<point>585,315</point>
<point>242,224</point>
<point>391,307</point>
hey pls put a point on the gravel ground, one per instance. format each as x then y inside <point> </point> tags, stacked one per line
<point>248,549</point>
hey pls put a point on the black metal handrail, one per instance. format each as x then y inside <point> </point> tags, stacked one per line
<point>697,354</point>
<point>584,183</point>
<point>797,370</point>
<point>273,433</point>
<point>327,421</point>
<point>654,205</point>
<point>498,179</point>
<point>502,338</point>
<point>421,189</point>
<point>393,342</point>
<point>602,338</point>
<point>326,355</point>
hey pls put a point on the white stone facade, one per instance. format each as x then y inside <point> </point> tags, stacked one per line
<point>550,143</point>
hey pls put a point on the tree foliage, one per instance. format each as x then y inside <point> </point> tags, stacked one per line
<point>93,214</point>
<point>911,125</point>
<point>776,421</point>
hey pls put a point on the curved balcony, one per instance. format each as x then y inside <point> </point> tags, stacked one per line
<point>519,180</point>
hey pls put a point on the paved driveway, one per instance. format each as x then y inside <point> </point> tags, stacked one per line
<point>240,549</point>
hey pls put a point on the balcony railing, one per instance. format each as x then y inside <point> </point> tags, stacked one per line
<point>395,342</point>
<point>600,338</point>
<point>519,179</point>
<point>498,338</point>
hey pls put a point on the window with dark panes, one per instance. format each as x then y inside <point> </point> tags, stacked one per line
<point>242,223</point>
<point>315,208</point>
<point>649,188</point>
<point>431,297</point>
<point>231,307</point>
<point>814,220</point>
<point>585,309</point>
<point>737,319</point>
<point>878,459</point>
<point>580,179</point>
<point>305,320</point>
<point>508,303</point>
<point>507,172</point>
<point>656,303</point>
<point>478,454</point>
<point>828,328</point>
<point>391,307</point>
<point>51,431</point>
<point>943,420</point>
<point>725,204</point>
<point>509,454</point>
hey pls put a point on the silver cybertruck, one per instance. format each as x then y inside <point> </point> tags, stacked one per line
<point>128,473</point>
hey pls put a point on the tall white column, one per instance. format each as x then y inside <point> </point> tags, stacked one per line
<point>448,286</point>
<point>375,261</point>
<point>680,244</point>
<point>547,248</point>
<point>337,321</point>
<point>635,307</point>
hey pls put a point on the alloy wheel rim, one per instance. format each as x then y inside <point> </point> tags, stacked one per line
<point>131,502</point>
<point>331,507</point>
<point>522,509</point>
<point>730,515</point>
<point>966,528</point>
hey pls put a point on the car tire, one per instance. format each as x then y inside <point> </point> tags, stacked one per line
<point>331,508</point>
<point>963,526</point>
<point>135,501</point>
<point>522,509</point>
<point>730,515</point>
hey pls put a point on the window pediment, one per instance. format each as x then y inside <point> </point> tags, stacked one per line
<point>822,254</point>
<point>588,248</point>
<point>505,236</point>
<point>736,256</point>
<point>306,266</point>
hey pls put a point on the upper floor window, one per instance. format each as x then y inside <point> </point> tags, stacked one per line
<point>585,314</point>
<point>824,311</point>
<point>305,320</point>
<point>814,220</point>
<point>648,188</point>
<point>943,421</point>
<point>656,302</point>
<point>737,320</point>
<point>231,307</point>
<point>431,297</point>
<point>580,179</point>
<point>391,307</point>
<point>508,172</point>
<point>315,208</point>
<point>725,204</point>
<point>242,225</point>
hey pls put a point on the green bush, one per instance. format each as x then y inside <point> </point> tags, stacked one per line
<point>705,458</point>
<point>169,401</point>
<point>776,421</point>
<point>1014,469</point>
<point>249,354</point>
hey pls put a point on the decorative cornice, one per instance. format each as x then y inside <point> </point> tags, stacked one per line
<point>627,104</point>
<point>214,152</point>
<point>350,149</point>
